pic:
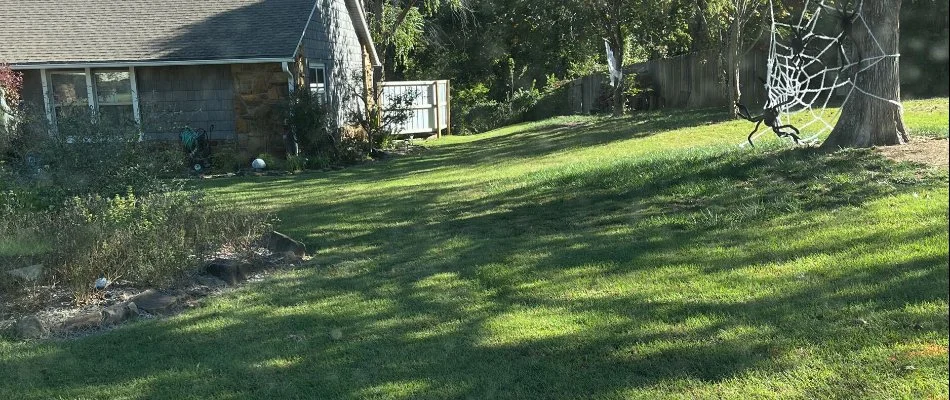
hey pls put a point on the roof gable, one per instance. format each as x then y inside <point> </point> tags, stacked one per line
<point>109,31</point>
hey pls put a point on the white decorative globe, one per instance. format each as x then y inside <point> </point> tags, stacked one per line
<point>258,164</point>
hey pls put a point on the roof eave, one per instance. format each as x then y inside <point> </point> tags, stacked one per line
<point>362,30</point>
<point>145,63</point>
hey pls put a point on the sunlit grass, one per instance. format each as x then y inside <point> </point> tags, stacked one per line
<point>577,257</point>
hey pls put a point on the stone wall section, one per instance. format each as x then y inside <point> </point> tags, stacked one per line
<point>260,92</point>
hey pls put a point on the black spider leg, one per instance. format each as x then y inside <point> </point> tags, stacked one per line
<point>754,130</point>
<point>744,113</point>
<point>846,20</point>
<point>796,136</point>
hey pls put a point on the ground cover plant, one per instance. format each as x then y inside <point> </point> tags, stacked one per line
<point>576,257</point>
<point>87,199</point>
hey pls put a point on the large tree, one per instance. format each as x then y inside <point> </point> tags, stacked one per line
<point>399,26</point>
<point>653,25</point>
<point>873,115</point>
<point>615,19</point>
<point>733,26</point>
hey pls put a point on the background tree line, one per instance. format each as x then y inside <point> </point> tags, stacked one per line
<point>495,49</point>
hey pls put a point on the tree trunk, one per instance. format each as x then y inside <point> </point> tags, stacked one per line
<point>732,64</point>
<point>868,120</point>
<point>617,47</point>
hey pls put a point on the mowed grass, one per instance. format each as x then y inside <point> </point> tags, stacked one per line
<point>579,257</point>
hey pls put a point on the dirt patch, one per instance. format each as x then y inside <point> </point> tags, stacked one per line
<point>935,152</point>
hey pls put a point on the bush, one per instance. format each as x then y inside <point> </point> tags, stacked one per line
<point>86,155</point>
<point>309,121</point>
<point>272,163</point>
<point>474,112</point>
<point>90,199</point>
<point>148,240</point>
<point>296,163</point>
<point>227,158</point>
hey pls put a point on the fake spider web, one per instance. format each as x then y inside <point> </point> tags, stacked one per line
<point>808,67</point>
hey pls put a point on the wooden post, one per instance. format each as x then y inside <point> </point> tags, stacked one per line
<point>438,121</point>
<point>448,107</point>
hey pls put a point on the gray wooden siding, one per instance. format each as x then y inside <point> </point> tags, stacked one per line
<point>331,40</point>
<point>197,96</point>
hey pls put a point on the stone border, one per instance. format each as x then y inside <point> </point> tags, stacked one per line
<point>216,275</point>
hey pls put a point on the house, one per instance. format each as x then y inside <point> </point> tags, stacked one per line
<point>226,63</point>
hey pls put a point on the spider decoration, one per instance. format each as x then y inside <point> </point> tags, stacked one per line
<point>846,20</point>
<point>801,38</point>
<point>770,117</point>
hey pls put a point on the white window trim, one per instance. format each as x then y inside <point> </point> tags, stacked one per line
<point>91,92</point>
<point>92,99</point>
<point>314,85</point>
<point>44,78</point>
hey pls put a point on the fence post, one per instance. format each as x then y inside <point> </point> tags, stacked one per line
<point>438,111</point>
<point>448,107</point>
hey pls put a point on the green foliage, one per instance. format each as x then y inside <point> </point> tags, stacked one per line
<point>407,36</point>
<point>474,112</point>
<point>227,158</point>
<point>149,240</point>
<point>296,163</point>
<point>319,161</point>
<point>309,119</point>
<point>87,155</point>
<point>272,162</point>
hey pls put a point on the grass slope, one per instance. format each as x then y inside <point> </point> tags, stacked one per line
<point>570,258</point>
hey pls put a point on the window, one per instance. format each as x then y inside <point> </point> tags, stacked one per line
<point>318,81</point>
<point>70,93</point>
<point>114,96</point>
<point>106,92</point>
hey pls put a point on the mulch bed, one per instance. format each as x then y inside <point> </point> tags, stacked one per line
<point>58,314</point>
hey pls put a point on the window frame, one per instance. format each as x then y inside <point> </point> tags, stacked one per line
<point>317,70</point>
<point>92,95</point>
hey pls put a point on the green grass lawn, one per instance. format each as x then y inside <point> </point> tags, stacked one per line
<point>577,257</point>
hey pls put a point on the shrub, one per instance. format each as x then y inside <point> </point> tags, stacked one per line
<point>91,199</point>
<point>296,163</point>
<point>309,121</point>
<point>88,155</point>
<point>227,158</point>
<point>319,161</point>
<point>522,102</point>
<point>148,240</point>
<point>271,162</point>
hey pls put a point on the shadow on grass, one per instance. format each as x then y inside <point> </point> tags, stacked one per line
<point>557,288</point>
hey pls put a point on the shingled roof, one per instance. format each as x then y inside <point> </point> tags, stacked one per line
<point>109,31</point>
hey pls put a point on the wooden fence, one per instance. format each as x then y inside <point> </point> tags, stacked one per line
<point>431,108</point>
<point>689,81</point>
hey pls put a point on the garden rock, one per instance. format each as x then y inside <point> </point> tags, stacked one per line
<point>119,313</point>
<point>27,274</point>
<point>231,272</point>
<point>154,302</point>
<point>89,320</point>
<point>31,328</point>
<point>280,243</point>
<point>210,281</point>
